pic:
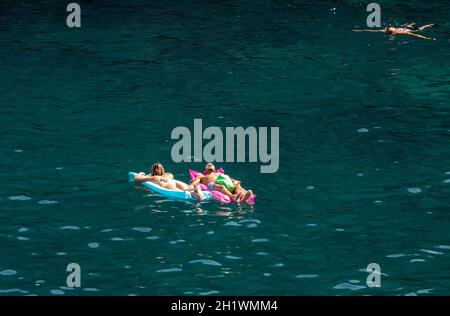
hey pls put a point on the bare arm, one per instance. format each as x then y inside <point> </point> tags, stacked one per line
<point>141,177</point>
<point>420,36</point>
<point>197,180</point>
<point>372,31</point>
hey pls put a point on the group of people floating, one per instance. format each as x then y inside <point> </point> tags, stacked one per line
<point>209,178</point>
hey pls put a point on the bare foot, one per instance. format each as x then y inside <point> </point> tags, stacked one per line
<point>247,195</point>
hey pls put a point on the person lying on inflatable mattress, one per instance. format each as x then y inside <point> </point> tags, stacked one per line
<point>222,183</point>
<point>159,176</point>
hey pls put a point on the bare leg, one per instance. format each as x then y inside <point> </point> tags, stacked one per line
<point>425,27</point>
<point>170,186</point>
<point>222,189</point>
<point>238,197</point>
<point>196,190</point>
<point>237,187</point>
<point>409,24</point>
<point>198,194</point>
<point>420,36</point>
<point>181,186</point>
<point>238,191</point>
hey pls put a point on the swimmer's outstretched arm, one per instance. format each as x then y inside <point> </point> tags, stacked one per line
<point>420,36</point>
<point>373,31</point>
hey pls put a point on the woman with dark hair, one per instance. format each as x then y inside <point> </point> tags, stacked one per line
<point>407,29</point>
<point>166,180</point>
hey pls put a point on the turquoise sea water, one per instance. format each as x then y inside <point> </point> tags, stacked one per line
<point>364,148</point>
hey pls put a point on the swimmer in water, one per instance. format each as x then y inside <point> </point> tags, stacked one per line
<point>166,180</point>
<point>407,29</point>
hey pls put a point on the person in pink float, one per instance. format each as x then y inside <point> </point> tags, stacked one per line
<point>209,178</point>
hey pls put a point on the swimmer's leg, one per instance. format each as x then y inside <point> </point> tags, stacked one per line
<point>411,25</point>
<point>425,27</point>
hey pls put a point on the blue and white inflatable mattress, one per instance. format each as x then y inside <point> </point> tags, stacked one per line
<point>171,194</point>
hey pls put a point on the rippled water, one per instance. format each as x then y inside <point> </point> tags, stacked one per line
<point>364,125</point>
